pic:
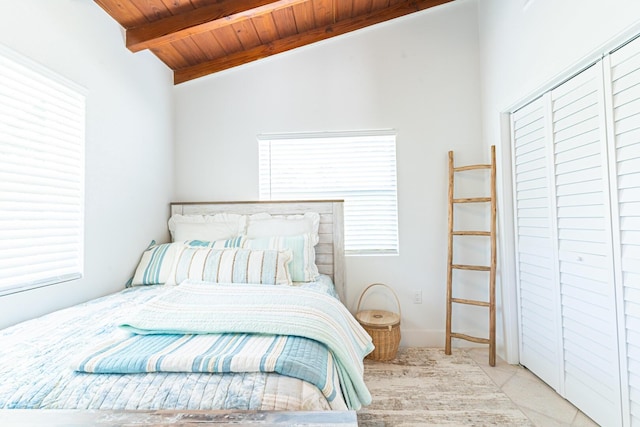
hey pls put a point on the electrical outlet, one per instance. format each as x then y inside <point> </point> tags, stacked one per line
<point>417,296</point>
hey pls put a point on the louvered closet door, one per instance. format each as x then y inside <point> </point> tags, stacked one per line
<point>585,255</point>
<point>625,87</point>
<point>537,289</point>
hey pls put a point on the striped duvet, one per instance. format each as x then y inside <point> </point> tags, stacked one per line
<point>203,308</point>
<point>35,370</point>
<point>292,356</point>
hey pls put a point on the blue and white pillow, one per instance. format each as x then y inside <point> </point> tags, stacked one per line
<point>157,261</point>
<point>232,265</point>
<point>303,266</point>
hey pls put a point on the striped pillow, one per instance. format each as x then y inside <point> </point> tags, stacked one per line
<point>157,261</point>
<point>303,264</point>
<point>233,265</point>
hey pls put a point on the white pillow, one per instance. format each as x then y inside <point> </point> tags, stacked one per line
<point>266,225</point>
<point>206,227</point>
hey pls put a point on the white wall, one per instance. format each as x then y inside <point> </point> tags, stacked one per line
<point>525,50</point>
<point>418,74</point>
<point>129,136</point>
<point>423,75</point>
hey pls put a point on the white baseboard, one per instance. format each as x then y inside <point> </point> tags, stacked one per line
<point>421,338</point>
<point>431,338</point>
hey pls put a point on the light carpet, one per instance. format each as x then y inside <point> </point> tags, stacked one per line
<point>425,387</point>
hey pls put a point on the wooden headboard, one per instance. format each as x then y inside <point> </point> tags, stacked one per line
<point>330,248</point>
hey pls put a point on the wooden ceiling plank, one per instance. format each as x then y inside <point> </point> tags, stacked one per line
<point>191,51</point>
<point>285,22</point>
<point>344,9</point>
<point>177,7</point>
<point>203,19</point>
<point>228,39</point>
<point>209,44</point>
<point>282,45</point>
<point>323,12</point>
<point>170,56</point>
<point>303,14</point>
<point>379,4</point>
<point>361,7</point>
<point>200,3</point>
<point>152,9</point>
<point>266,28</point>
<point>124,12</point>
<point>247,34</point>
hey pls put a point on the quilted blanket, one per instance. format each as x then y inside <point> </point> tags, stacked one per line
<point>201,308</point>
<point>35,370</point>
<point>292,356</point>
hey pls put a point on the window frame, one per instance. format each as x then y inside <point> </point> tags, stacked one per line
<point>385,162</point>
<point>56,121</point>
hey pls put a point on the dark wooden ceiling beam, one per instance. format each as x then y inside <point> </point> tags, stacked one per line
<point>317,34</point>
<point>198,21</point>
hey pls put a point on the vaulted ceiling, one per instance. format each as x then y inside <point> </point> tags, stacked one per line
<point>195,38</point>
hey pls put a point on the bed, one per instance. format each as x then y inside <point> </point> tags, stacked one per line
<point>250,321</point>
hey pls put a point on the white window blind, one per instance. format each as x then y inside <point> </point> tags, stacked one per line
<point>359,167</point>
<point>42,121</point>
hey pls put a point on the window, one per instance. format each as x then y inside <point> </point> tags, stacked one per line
<point>359,167</point>
<point>42,119</point>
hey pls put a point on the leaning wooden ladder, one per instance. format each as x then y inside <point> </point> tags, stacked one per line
<point>491,304</point>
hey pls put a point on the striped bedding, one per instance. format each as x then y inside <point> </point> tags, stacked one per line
<point>36,370</point>
<point>202,308</point>
<point>292,356</point>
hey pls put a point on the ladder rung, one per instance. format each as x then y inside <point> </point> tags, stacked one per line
<point>471,167</point>
<point>472,200</point>
<point>470,338</point>
<point>470,302</point>
<point>471,267</point>
<point>472,233</point>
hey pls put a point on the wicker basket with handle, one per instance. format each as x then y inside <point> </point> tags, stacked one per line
<point>383,326</point>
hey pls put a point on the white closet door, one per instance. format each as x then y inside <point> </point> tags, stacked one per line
<point>585,254</point>
<point>625,87</point>
<point>537,287</point>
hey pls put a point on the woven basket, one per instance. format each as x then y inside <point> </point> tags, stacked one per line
<point>383,326</point>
